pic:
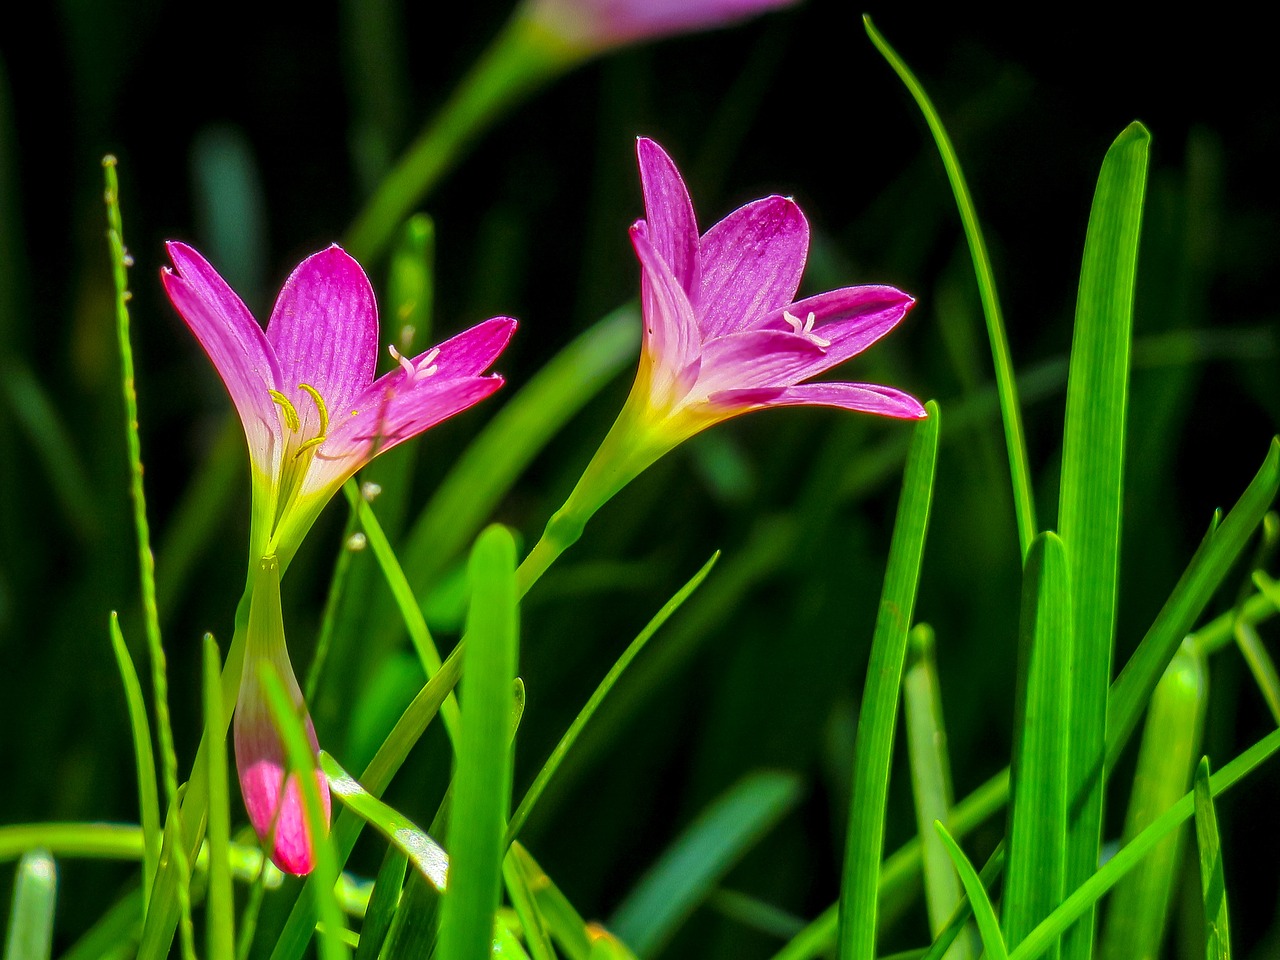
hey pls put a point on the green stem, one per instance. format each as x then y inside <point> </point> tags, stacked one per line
<point>521,59</point>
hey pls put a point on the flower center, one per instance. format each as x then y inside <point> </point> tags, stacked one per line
<point>805,329</point>
<point>296,457</point>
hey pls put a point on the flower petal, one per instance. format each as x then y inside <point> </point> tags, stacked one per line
<point>866,397</point>
<point>471,352</point>
<point>234,343</point>
<point>386,415</point>
<point>324,330</point>
<point>670,330</point>
<point>755,358</point>
<point>669,212</point>
<point>752,261</point>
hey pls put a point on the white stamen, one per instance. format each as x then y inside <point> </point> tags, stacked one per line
<point>427,365</point>
<point>805,329</point>
<point>423,368</point>
<point>404,361</point>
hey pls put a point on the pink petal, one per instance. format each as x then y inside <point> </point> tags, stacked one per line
<point>234,343</point>
<point>386,414</point>
<point>604,23</point>
<point>752,261</point>
<point>865,397</point>
<point>850,319</point>
<point>324,330</point>
<point>669,212</point>
<point>471,352</point>
<point>670,330</point>
<point>756,358</point>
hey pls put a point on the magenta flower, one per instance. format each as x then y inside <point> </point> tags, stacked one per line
<point>311,410</point>
<point>600,24</point>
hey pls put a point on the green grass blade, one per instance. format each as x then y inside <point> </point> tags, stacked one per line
<point>755,914</point>
<point>1204,574</point>
<point>704,852</point>
<point>1260,664</point>
<point>564,923</point>
<point>864,843</point>
<point>536,934</point>
<point>383,903</point>
<point>584,716</point>
<point>1139,906</point>
<point>1091,496</point>
<point>1035,861</point>
<point>414,621</point>
<point>146,561</point>
<point>143,757</point>
<point>482,782</point>
<point>1132,853</point>
<point>114,935</point>
<point>35,892</point>
<point>423,852</point>
<point>984,913</point>
<point>1212,879</point>
<point>301,764</point>
<point>930,779</point>
<point>219,902</point>
<point>411,285</point>
<point>1006,385</point>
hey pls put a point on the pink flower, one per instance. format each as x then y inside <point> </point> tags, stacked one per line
<point>311,410</point>
<point>722,332</point>
<point>600,24</point>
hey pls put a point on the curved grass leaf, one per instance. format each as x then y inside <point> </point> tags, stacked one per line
<point>1217,929</point>
<point>383,903</point>
<point>519,889</point>
<point>35,892</point>
<point>984,914</point>
<point>566,926</point>
<point>864,840</point>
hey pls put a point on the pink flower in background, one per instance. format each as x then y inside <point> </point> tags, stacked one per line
<point>305,391</point>
<point>600,24</point>
<point>722,332</point>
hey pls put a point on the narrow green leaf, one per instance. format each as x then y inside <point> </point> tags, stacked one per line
<point>1091,497</point>
<point>930,779</point>
<point>383,903</point>
<point>423,852</point>
<point>114,935</point>
<point>1132,853</point>
<point>302,763</point>
<point>35,892</point>
<point>755,913</point>
<point>219,902</point>
<point>1035,858</point>
<point>988,925</point>
<point>1006,385</point>
<point>1212,878</point>
<point>1260,664</point>
<point>564,923</point>
<point>482,782</point>
<point>704,852</point>
<point>411,284</point>
<point>143,758</point>
<point>864,840</point>
<point>987,877</point>
<point>1139,905</point>
<point>1211,562</point>
<point>584,716</point>
<point>534,927</point>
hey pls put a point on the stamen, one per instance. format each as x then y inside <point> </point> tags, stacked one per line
<point>287,410</point>
<point>805,329</point>
<point>423,368</point>
<point>404,361</point>
<point>322,409</point>
<point>427,365</point>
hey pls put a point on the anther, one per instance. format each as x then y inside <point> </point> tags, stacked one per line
<point>287,409</point>
<point>805,329</point>
<point>404,361</point>
<point>320,408</point>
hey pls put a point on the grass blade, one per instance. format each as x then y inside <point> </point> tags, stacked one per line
<point>114,935</point>
<point>219,902</point>
<point>564,923</point>
<point>930,780</point>
<point>482,783</point>
<point>1212,880</point>
<point>383,903</point>
<point>143,757</point>
<point>1006,384</point>
<point>519,890</point>
<point>584,716</point>
<point>703,853</point>
<point>1036,852</point>
<point>864,843</point>
<point>1139,905</point>
<point>1092,488</point>
<point>984,914</point>
<point>35,892</point>
<point>1261,665</point>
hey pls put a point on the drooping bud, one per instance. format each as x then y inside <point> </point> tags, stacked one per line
<point>275,807</point>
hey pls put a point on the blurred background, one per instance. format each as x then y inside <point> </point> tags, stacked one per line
<point>256,131</point>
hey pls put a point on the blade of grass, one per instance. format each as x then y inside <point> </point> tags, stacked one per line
<point>1035,860</point>
<point>930,779</point>
<point>1090,504</point>
<point>219,901</point>
<point>584,716</point>
<point>1261,666</point>
<point>1213,885</point>
<point>482,783</point>
<point>120,261</point>
<point>383,903</point>
<point>755,914</point>
<point>1006,384</point>
<point>864,839</point>
<point>704,852</point>
<point>35,892</point>
<point>114,935</point>
<point>536,935</point>
<point>143,757</point>
<point>1093,889</point>
<point>1139,905</point>
<point>564,923</point>
<point>988,925</point>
